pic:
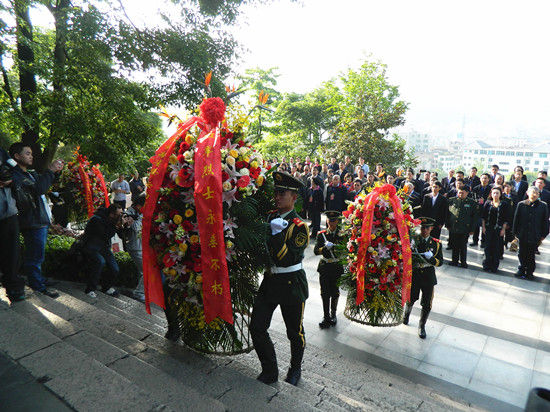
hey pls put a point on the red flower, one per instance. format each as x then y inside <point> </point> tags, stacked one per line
<point>228,135</point>
<point>197,266</point>
<point>383,286</point>
<point>212,110</point>
<point>187,225</point>
<point>241,165</point>
<point>241,143</point>
<point>369,286</point>
<point>243,181</point>
<point>255,172</point>
<point>225,176</point>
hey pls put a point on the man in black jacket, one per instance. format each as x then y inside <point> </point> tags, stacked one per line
<point>96,244</point>
<point>9,233</point>
<point>480,193</point>
<point>34,222</point>
<point>520,186</point>
<point>435,206</point>
<point>530,227</point>
<point>472,180</point>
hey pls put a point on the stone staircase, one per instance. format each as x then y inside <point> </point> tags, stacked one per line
<point>108,354</point>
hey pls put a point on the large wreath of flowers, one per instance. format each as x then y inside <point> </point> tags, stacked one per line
<point>79,174</point>
<point>383,267</point>
<point>175,235</point>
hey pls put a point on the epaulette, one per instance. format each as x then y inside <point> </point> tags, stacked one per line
<point>437,240</point>
<point>298,222</point>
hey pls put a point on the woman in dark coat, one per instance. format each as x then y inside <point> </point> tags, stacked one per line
<point>495,219</point>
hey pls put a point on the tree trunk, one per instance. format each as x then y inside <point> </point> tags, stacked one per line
<point>60,13</point>
<point>27,79</point>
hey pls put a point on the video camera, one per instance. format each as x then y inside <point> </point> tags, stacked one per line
<point>6,169</point>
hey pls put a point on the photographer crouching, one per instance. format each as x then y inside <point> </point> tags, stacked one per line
<point>9,232</point>
<point>96,246</point>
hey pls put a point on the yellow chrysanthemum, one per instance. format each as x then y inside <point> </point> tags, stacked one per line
<point>194,239</point>
<point>177,219</point>
<point>189,213</point>
<point>234,153</point>
<point>183,247</point>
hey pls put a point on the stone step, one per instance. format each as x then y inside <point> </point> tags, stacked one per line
<point>329,377</point>
<point>82,382</point>
<point>333,392</point>
<point>228,385</point>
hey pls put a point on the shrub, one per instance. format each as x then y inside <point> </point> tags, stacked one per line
<point>60,263</point>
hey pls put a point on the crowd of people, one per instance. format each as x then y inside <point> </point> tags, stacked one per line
<point>495,210</point>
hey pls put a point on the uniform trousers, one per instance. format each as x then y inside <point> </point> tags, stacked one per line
<point>459,243</point>
<point>427,294</point>
<point>493,248</point>
<point>329,284</point>
<point>315,216</point>
<point>293,315</point>
<point>527,256</point>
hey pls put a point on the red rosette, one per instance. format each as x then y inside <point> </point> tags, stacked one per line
<point>212,110</point>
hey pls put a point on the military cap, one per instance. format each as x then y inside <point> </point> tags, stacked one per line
<point>333,215</point>
<point>284,181</point>
<point>427,221</point>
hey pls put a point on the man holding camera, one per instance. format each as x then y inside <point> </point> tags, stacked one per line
<point>9,232</point>
<point>35,221</point>
<point>131,236</point>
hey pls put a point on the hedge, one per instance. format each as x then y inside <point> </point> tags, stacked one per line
<point>59,263</point>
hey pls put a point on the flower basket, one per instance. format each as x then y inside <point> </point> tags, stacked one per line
<point>379,270</point>
<point>213,313</point>
<point>87,187</point>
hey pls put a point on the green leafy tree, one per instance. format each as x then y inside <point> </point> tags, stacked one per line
<point>370,107</point>
<point>78,83</point>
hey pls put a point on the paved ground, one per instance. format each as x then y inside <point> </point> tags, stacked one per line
<point>488,334</point>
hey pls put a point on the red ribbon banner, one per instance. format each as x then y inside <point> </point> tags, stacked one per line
<point>99,177</point>
<point>365,241</point>
<point>152,279</point>
<point>87,189</point>
<point>209,208</point>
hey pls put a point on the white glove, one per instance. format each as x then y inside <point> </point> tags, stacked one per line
<point>329,245</point>
<point>428,255</point>
<point>277,225</point>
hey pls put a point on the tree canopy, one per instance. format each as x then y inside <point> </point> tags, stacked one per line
<point>93,78</point>
<point>353,114</point>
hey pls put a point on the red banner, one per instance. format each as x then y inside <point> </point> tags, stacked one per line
<point>152,279</point>
<point>209,208</point>
<point>365,241</point>
<point>99,177</point>
<point>87,189</point>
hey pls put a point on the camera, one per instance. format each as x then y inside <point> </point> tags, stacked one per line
<point>6,170</point>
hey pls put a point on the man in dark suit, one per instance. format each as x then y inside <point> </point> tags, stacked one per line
<point>544,193</point>
<point>448,181</point>
<point>284,283</point>
<point>435,206</point>
<point>481,193</point>
<point>530,227</point>
<point>473,180</point>
<point>519,185</point>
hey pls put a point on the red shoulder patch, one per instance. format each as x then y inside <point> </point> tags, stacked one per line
<point>437,240</point>
<point>298,222</point>
<point>322,231</point>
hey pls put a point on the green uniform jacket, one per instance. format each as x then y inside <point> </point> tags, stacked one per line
<point>336,268</point>
<point>462,216</point>
<point>426,275</point>
<point>286,248</point>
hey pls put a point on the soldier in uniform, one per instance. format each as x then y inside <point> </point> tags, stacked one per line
<point>427,255</point>
<point>284,283</point>
<point>461,218</point>
<point>330,268</point>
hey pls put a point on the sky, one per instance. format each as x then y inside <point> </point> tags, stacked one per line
<point>482,66</point>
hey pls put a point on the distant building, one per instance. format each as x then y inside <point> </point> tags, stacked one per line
<point>420,142</point>
<point>532,157</point>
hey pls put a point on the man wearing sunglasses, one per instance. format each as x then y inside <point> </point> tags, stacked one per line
<point>284,283</point>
